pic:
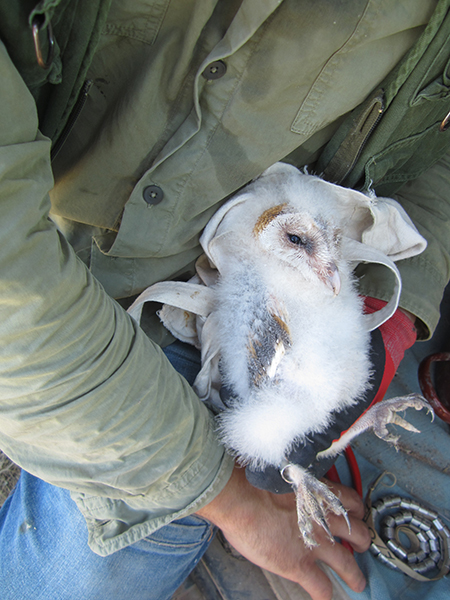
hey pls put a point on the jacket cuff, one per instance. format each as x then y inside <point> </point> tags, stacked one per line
<point>114,524</point>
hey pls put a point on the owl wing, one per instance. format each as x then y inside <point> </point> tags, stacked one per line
<point>268,339</point>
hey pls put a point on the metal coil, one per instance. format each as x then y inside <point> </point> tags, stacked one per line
<point>416,535</point>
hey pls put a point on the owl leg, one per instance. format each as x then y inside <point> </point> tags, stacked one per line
<point>314,499</point>
<point>376,418</point>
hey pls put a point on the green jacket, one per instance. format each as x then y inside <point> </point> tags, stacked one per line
<point>88,401</point>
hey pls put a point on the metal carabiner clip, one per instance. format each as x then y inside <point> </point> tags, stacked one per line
<point>37,26</point>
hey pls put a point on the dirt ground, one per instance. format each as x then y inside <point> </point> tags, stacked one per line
<point>9,474</point>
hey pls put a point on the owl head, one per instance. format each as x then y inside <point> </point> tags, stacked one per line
<point>308,244</point>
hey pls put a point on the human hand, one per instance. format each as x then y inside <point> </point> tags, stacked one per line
<point>262,526</point>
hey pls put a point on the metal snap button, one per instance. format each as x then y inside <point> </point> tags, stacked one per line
<point>215,70</point>
<point>445,123</point>
<point>152,194</point>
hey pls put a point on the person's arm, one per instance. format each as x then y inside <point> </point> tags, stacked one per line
<point>87,401</point>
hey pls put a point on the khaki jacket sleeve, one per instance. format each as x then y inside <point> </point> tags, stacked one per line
<point>424,277</point>
<point>87,401</point>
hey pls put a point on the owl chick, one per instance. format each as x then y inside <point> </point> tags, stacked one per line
<point>275,311</point>
<point>287,339</point>
<point>293,344</point>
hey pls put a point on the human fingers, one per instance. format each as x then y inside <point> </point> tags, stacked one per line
<point>357,535</point>
<point>349,497</point>
<point>314,580</point>
<point>341,561</point>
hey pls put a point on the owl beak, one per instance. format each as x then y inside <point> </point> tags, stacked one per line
<point>332,279</point>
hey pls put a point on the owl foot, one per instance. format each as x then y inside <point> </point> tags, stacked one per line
<point>376,418</point>
<point>314,500</point>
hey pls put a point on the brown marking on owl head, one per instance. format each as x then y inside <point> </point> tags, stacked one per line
<point>267,216</point>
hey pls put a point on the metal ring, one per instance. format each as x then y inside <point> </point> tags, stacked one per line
<point>37,26</point>
<point>283,474</point>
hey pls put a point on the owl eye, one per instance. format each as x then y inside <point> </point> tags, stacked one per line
<point>295,239</point>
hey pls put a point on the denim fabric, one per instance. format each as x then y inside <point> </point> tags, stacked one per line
<point>383,583</point>
<point>45,556</point>
<point>185,359</point>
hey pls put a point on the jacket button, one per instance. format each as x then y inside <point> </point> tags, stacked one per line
<point>215,70</point>
<point>445,123</point>
<point>152,194</point>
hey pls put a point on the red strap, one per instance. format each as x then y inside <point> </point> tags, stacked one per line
<point>388,375</point>
<point>398,335</point>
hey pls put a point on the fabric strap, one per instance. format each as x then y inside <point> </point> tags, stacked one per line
<point>398,335</point>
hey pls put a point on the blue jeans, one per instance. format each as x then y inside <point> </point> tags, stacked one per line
<point>43,543</point>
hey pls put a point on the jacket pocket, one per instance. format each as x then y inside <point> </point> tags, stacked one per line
<point>427,141</point>
<point>138,19</point>
<point>406,159</point>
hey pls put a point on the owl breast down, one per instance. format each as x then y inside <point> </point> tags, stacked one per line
<point>292,352</point>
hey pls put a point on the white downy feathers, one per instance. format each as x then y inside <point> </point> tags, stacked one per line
<point>291,350</point>
<point>289,322</point>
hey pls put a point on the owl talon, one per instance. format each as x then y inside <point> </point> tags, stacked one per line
<point>376,418</point>
<point>314,500</point>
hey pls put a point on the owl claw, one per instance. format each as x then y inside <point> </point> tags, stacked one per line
<point>386,412</point>
<point>314,500</point>
<point>376,418</point>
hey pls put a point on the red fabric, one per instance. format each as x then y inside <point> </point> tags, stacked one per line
<point>398,335</point>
